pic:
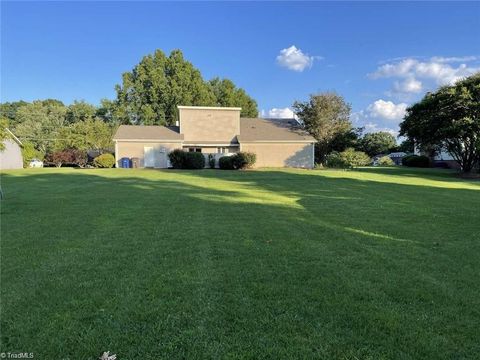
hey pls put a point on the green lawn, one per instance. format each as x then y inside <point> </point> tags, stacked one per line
<point>148,264</point>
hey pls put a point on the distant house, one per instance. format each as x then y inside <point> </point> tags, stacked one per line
<point>11,156</point>
<point>443,159</point>
<point>219,131</point>
<point>397,157</point>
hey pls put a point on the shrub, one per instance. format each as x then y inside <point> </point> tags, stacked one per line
<point>347,159</point>
<point>241,160</point>
<point>67,157</point>
<point>79,157</point>
<point>385,161</point>
<point>355,158</point>
<point>405,159</point>
<point>244,160</point>
<point>104,161</point>
<point>177,158</point>
<point>59,158</point>
<point>211,161</point>
<point>186,160</point>
<point>334,160</point>
<point>416,161</point>
<point>194,160</point>
<point>226,163</point>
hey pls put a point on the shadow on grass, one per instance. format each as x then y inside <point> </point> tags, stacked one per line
<point>214,264</point>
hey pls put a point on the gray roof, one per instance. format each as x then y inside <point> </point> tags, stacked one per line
<point>251,130</point>
<point>257,129</point>
<point>147,132</point>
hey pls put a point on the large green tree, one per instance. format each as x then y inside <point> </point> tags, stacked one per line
<point>378,143</point>
<point>150,93</point>
<point>40,122</point>
<point>91,134</point>
<point>448,118</point>
<point>80,111</point>
<point>228,95</point>
<point>326,117</point>
<point>9,110</point>
<point>4,134</point>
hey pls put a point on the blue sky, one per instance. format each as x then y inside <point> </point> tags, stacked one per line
<point>379,56</point>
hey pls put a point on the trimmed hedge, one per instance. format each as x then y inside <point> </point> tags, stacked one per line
<point>194,160</point>
<point>186,160</point>
<point>104,161</point>
<point>241,160</point>
<point>419,161</point>
<point>177,158</point>
<point>226,163</point>
<point>244,160</point>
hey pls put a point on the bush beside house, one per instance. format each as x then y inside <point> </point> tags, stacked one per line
<point>186,160</point>
<point>241,160</point>
<point>419,161</point>
<point>104,161</point>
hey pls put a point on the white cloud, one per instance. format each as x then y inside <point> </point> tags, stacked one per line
<point>294,59</point>
<point>387,110</point>
<point>439,69</point>
<point>452,59</point>
<point>381,115</point>
<point>373,127</point>
<point>409,85</point>
<point>278,113</point>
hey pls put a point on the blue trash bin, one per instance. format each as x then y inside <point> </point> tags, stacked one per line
<point>125,163</point>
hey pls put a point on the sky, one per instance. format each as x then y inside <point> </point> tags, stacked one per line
<point>381,57</point>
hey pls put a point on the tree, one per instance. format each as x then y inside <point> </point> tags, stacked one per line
<point>228,95</point>
<point>86,135</point>
<point>325,116</point>
<point>449,118</point>
<point>346,139</point>
<point>406,146</point>
<point>80,111</point>
<point>9,110</point>
<point>150,93</point>
<point>377,143</point>
<point>40,122</point>
<point>4,135</point>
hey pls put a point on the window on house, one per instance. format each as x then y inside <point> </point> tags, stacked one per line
<point>195,149</point>
<point>221,150</point>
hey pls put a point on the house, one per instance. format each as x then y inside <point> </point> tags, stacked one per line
<point>397,157</point>
<point>219,131</point>
<point>444,159</point>
<point>11,155</point>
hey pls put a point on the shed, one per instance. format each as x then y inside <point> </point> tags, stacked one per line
<point>11,156</point>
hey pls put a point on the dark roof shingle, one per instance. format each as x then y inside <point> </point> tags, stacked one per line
<point>147,132</point>
<point>257,129</point>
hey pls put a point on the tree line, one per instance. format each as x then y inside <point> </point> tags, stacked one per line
<point>150,92</point>
<point>445,120</point>
<point>148,95</point>
<point>326,116</point>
